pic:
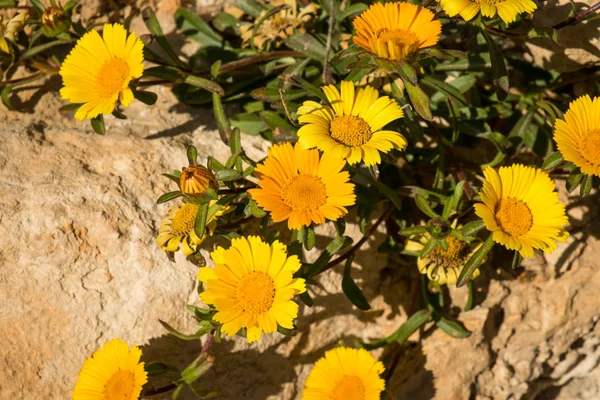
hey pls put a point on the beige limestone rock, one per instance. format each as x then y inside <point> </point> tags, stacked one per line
<point>578,46</point>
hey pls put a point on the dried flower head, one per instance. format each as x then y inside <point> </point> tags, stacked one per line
<point>279,26</point>
<point>196,179</point>
<point>9,30</point>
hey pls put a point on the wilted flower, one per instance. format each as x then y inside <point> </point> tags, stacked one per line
<point>281,25</point>
<point>54,21</point>
<point>196,179</point>
<point>10,29</point>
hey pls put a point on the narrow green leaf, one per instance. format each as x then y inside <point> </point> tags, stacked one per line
<point>499,72</point>
<point>407,72</point>
<point>235,145</point>
<point>413,230</point>
<point>156,368</point>
<point>7,3</point>
<point>42,47</point>
<point>473,227</point>
<point>168,197</point>
<point>546,31</point>
<point>192,155</point>
<point>215,68</point>
<point>254,210</point>
<point>517,259</point>
<point>446,89</point>
<point>586,185</point>
<point>200,221</point>
<point>419,100</point>
<point>205,84</point>
<point>146,97</point>
<point>474,262</point>
<point>196,369</point>
<point>428,248</point>
<point>335,246</point>
<point>416,321</point>
<point>573,180</point>
<point>98,124</point>
<point>154,27</point>
<point>168,73</point>
<point>553,161</point>
<point>549,109</point>
<point>310,238</point>
<point>340,226</point>
<point>38,5</point>
<point>222,122</point>
<point>471,298</point>
<point>351,289</point>
<point>425,207</point>
<point>250,7</point>
<point>180,335</point>
<point>306,299</point>
<point>5,97</point>
<point>307,45</point>
<point>287,332</point>
<point>309,87</point>
<point>452,328</point>
<point>522,125</point>
<point>225,175</point>
<point>353,10</point>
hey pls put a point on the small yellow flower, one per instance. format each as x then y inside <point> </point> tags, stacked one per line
<point>443,266</point>
<point>113,372</point>
<point>178,228</point>
<point>298,186</point>
<point>345,374</point>
<point>280,26</point>
<point>506,9</point>
<point>98,70</point>
<point>251,287</point>
<point>10,29</point>
<point>397,30</point>
<point>578,135</point>
<point>350,127</point>
<point>196,179</point>
<point>521,209</point>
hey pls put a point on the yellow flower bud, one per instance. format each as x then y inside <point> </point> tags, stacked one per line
<point>54,21</point>
<point>196,179</point>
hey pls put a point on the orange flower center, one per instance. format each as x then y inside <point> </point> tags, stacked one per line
<point>454,257</point>
<point>350,130</point>
<point>255,293</point>
<point>589,147</point>
<point>349,388</point>
<point>183,222</point>
<point>112,77</point>
<point>304,193</point>
<point>514,216</point>
<point>120,386</point>
<point>398,37</point>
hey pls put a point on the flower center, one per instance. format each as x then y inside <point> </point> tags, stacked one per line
<point>183,222</point>
<point>454,257</point>
<point>255,293</point>
<point>590,147</point>
<point>120,386</point>
<point>349,388</point>
<point>304,193</point>
<point>350,130</point>
<point>398,37</point>
<point>111,77</point>
<point>513,216</point>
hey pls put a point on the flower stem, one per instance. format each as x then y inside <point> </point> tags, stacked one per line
<point>577,17</point>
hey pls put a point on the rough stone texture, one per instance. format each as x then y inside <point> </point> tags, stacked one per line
<point>579,45</point>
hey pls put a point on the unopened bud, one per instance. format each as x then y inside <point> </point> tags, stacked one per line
<point>196,179</point>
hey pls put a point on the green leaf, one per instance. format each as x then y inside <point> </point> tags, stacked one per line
<point>351,289</point>
<point>98,124</point>
<point>192,155</point>
<point>7,3</point>
<point>425,207</point>
<point>550,110</point>
<point>428,248</point>
<point>200,221</point>
<point>517,259</point>
<point>38,5</point>
<point>168,197</point>
<point>222,122</point>
<point>235,145</point>
<point>586,185</point>
<point>42,47</point>
<point>310,238</point>
<point>521,127</point>
<point>353,10</point>
<point>183,336</point>
<point>574,179</point>
<point>335,246</point>
<point>446,89</point>
<point>162,72</point>
<point>215,68</point>
<point>253,209</point>
<point>473,227</point>
<point>553,161</point>
<point>156,368</point>
<point>225,175</point>
<point>250,7</point>
<point>148,98</point>
<point>287,332</point>
<point>154,27</point>
<point>416,321</point>
<point>546,31</point>
<point>307,45</point>
<point>306,299</point>
<point>413,231</point>
<point>5,99</point>
<point>474,262</point>
<point>309,87</point>
<point>471,298</point>
<point>499,72</point>
<point>196,369</point>
<point>407,72</point>
<point>205,84</point>
<point>452,328</point>
<point>419,100</point>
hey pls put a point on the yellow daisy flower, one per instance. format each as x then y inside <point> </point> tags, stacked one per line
<point>196,179</point>
<point>578,135</point>
<point>98,70</point>
<point>298,186</point>
<point>178,228</point>
<point>113,372</point>
<point>443,266</point>
<point>521,209</point>
<point>506,9</point>
<point>397,30</point>
<point>251,287</point>
<point>345,374</point>
<point>350,127</point>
